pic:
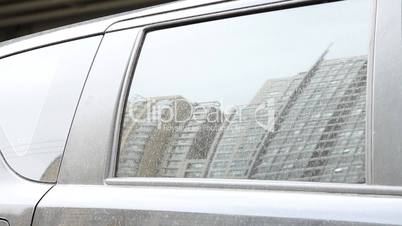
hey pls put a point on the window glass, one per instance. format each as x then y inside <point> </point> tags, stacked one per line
<point>39,92</point>
<point>271,96</point>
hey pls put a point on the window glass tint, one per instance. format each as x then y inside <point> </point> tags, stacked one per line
<point>39,91</point>
<point>272,96</point>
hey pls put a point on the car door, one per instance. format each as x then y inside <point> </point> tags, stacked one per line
<point>237,113</point>
<point>39,92</point>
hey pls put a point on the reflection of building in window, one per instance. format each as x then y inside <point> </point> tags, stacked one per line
<point>167,137</point>
<point>141,139</point>
<point>242,137</point>
<point>307,127</point>
<point>189,148</point>
<point>320,136</point>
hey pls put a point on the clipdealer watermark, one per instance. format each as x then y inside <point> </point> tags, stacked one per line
<point>168,114</point>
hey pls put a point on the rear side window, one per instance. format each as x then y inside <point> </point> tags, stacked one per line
<point>39,92</point>
<point>271,96</point>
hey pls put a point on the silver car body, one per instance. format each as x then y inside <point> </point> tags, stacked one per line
<point>86,193</point>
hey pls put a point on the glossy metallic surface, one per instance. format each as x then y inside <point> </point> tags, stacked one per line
<point>293,186</point>
<point>91,136</point>
<point>99,26</point>
<point>123,205</point>
<point>84,197</point>
<point>90,28</point>
<point>45,92</point>
<point>18,197</point>
<point>86,193</point>
<point>225,9</point>
<point>387,97</point>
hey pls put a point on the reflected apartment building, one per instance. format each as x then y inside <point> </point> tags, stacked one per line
<point>139,131</point>
<point>167,137</point>
<point>189,147</point>
<point>308,127</point>
<point>242,137</point>
<point>318,132</point>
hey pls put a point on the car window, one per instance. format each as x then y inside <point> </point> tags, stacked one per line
<point>39,91</point>
<point>271,96</point>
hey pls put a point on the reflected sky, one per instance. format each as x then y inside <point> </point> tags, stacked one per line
<point>229,60</point>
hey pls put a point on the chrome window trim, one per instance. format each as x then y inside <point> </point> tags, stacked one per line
<point>111,166</point>
<point>152,25</point>
<point>268,185</point>
<point>213,12</point>
<point>369,96</point>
